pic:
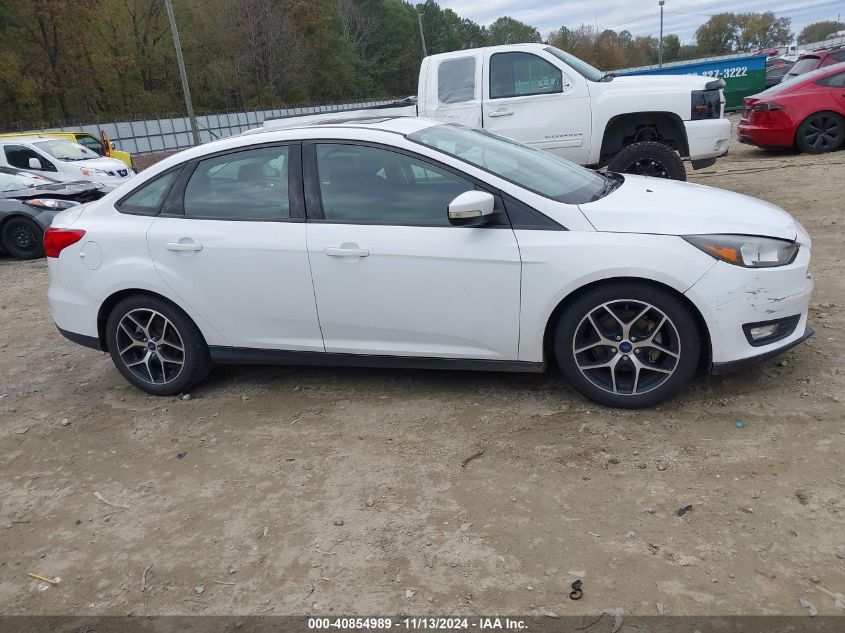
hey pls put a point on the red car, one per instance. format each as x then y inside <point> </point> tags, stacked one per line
<point>807,112</point>
<point>817,59</point>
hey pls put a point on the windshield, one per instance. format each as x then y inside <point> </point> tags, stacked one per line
<point>532,169</point>
<point>66,150</point>
<point>12,180</point>
<point>580,66</point>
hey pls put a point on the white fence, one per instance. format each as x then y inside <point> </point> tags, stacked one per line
<point>160,135</point>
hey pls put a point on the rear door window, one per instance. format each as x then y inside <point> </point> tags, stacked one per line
<point>833,81</point>
<point>245,185</point>
<point>456,80</point>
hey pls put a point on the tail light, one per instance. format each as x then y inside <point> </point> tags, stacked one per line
<point>766,106</point>
<point>56,240</point>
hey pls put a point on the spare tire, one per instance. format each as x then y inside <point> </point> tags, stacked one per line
<point>649,158</point>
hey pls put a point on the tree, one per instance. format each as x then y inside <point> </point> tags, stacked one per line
<point>563,38</point>
<point>818,31</point>
<point>761,30</point>
<point>506,30</point>
<point>671,48</point>
<point>727,32</point>
<point>717,35</point>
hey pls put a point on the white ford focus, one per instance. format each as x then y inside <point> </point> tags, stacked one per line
<point>402,242</point>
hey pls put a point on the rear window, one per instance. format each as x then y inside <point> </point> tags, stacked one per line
<point>805,64</point>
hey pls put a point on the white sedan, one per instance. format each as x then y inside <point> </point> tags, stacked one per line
<point>403,242</point>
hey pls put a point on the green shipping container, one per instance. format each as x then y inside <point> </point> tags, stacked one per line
<point>744,75</point>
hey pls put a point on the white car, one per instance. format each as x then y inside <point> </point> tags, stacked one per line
<point>62,160</point>
<point>404,242</point>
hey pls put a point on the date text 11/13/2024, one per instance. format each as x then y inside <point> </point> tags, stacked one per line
<point>420,623</point>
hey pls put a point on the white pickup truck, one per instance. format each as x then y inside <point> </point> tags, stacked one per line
<point>548,99</point>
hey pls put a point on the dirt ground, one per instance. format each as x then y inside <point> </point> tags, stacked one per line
<point>294,490</point>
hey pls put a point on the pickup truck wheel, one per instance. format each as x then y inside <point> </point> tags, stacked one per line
<point>627,344</point>
<point>649,158</point>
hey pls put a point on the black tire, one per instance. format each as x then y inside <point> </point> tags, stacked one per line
<point>821,132</point>
<point>649,158</point>
<point>151,359</point>
<point>23,238</point>
<point>655,364</point>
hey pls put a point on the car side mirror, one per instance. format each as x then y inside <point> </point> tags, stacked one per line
<point>471,208</point>
<point>35,163</point>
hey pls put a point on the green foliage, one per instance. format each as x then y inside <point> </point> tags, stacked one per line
<point>732,32</point>
<point>818,31</point>
<point>85,60</point>
<point>506,30</point>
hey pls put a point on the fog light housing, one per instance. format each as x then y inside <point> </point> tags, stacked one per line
<point>766,332</point>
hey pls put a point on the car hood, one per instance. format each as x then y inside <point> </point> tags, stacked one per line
<point>108,164</point>
<point>55,189</point>
<point>668,207</point>
<point>635,83</point>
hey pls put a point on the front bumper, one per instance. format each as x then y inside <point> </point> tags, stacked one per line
<point>729,297</point>
<point>736,365</point>
<point>708,138</point>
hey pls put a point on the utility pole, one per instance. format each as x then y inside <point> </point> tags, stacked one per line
<point>182,74</point>
<point>660,50</point>
<point>422,35</point>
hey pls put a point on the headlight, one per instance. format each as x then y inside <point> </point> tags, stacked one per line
<point>90,171</point>
<point>746,250</point>
<point>51,203</point>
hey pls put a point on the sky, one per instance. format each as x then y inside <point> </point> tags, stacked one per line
<point>641,17</point>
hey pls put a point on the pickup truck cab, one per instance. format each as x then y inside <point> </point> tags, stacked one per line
<point>62,160</point>
<point>546,98</point>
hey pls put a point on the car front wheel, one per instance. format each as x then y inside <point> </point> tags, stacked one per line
<point>156,346</point>
<point>627,345</point>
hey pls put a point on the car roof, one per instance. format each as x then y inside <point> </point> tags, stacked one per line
<point>400,125</point>
<point>15,140</point>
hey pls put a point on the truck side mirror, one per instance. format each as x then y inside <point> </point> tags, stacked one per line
<point>35,163</point>
<point>471,208</point>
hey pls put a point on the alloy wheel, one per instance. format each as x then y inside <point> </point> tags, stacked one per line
<point>626,347</point>
<point>647,167</point>
<point>823,133</point>
<point>150,346</point>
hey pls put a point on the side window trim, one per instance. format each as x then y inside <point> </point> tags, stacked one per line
<point>527,94</point>
<point>173,206</point>
<point>314,201</point>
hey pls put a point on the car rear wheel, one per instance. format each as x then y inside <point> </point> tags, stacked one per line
<point>649,158</point>
<point>156,346</point>
<point>821,132</point>
<point>23,238</point>
<point>627,345</point>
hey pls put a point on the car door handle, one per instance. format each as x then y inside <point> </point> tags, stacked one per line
<point>500,112</point>
<point>183,246</point>
<point>339,251</point>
